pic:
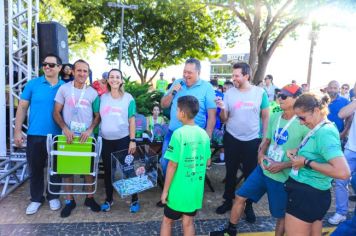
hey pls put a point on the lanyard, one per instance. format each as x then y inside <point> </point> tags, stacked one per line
<point>76,104</point>
<point>278,135</point>
<point>311,133</point>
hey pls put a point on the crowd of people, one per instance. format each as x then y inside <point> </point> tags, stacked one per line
<point>289,143</point>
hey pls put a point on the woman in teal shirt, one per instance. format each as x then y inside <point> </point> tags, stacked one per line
<point>316,161</point>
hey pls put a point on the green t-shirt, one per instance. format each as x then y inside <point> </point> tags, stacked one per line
<point>190,149</point>
<point>290,139</point>
<point>322,147</point>
<point>161,85</point>
<point>96,108</point>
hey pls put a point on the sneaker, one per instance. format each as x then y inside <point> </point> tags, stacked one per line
<point>336,219</point>
<point>160,204</point>
<point>67,210</point>
<point>106,206</point>
<point>223,232</point>
<point>219,162</point>
<point>134,207</point>
<point>91,203</point>
<point>33,208</point>
<point>226,206</point>
<point>250,214</point>
<point>54,204</point>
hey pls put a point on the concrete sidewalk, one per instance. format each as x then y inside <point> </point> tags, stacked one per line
<point>119,221</point>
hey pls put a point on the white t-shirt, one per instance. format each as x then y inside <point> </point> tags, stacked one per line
<point>115,114</point>
<point>84,113</point>
<point>244,110</point>
<point>351,142</point>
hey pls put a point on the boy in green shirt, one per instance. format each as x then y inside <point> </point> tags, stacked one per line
<point>188,153</point>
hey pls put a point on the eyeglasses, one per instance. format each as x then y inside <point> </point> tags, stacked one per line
<point>301,118</point>
<point>282,96</point>
<point>51,65</point>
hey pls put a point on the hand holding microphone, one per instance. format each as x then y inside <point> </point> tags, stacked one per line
<point>177,87</point>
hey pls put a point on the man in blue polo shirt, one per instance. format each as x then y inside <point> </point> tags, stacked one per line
<point>38,95</point>
<point>192,85</point>
<point>336,104</point>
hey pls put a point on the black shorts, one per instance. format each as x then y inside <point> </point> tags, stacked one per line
<point>305,202</point>
<point>176,215</point>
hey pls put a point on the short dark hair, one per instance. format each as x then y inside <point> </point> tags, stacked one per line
<point>58,59</point>
<point>245,68</point>
<point>194,61</point>
<point>269,77</point>
<point>189,105</point>
<point>228,82</point>
<point>80,61</point>
<point>214,82</point>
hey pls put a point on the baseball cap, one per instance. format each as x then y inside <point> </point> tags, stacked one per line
<point>291,90</point>
<point>105,75</point>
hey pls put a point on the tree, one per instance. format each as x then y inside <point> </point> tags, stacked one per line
<point>158,34</point>
<point>268,22</point>
<point>55,10</point>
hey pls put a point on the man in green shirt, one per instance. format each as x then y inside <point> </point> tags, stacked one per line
<point>188,153</point>
<point>161,84</point>
<point>284,132</point>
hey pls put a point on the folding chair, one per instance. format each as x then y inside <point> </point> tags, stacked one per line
<point>74,159</point>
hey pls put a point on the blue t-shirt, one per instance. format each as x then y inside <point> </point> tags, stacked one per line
<point>218,110</point>
<point>205,94</point>
<point>334,108</point>
<point>40,95</point>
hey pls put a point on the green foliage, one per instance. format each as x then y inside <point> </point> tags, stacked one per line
<point>145,99</point>
<point>58,10</point>
<point>158,34</point>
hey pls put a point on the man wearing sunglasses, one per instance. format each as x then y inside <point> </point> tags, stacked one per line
<point>284,132</point>
<point>39,95</point>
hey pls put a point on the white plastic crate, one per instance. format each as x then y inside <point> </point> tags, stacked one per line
<point>134,173</point>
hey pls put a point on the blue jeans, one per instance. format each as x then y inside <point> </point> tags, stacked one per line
<point>341,186</point>
<point>164,161</point>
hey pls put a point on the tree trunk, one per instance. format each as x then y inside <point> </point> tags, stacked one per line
<point>263,60</point>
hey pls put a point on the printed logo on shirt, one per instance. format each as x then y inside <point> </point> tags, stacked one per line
<point>170,148</point>
<point>283,137</point>
<point>240,105</point>
<point>115,111</point>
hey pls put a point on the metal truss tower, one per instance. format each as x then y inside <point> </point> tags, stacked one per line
<point>22,52</point>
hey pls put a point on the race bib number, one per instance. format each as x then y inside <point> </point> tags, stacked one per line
<point>77,127</point>
<point>276,153</point>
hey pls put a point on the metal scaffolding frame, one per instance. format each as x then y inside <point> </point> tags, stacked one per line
<point>22,18</point>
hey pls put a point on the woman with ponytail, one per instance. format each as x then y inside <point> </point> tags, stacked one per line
<point>317,160</point>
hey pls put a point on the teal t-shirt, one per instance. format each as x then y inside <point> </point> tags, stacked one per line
<point>190,149</point>
<point>290,139</point>
<point>322,147</point>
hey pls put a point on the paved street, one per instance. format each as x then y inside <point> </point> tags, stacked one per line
<point>119,221</point>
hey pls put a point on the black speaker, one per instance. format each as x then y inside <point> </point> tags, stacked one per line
<point>52,38</point>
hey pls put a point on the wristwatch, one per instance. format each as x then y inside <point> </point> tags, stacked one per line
<point>133,140</point>
<point>174,93</point>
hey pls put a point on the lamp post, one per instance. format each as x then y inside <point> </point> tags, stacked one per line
<point>123,7</point>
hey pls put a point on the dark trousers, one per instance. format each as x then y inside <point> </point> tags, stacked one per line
<point>110,146</point>
<point>238,152</point>
<point>37,155</point>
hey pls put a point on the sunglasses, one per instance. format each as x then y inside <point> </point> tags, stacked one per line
<point>301,118</point>
<point>282,96</point>
<point>51,65</point>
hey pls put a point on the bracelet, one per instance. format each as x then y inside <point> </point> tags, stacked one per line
<point>307,164</point>
<point>133,140</point>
